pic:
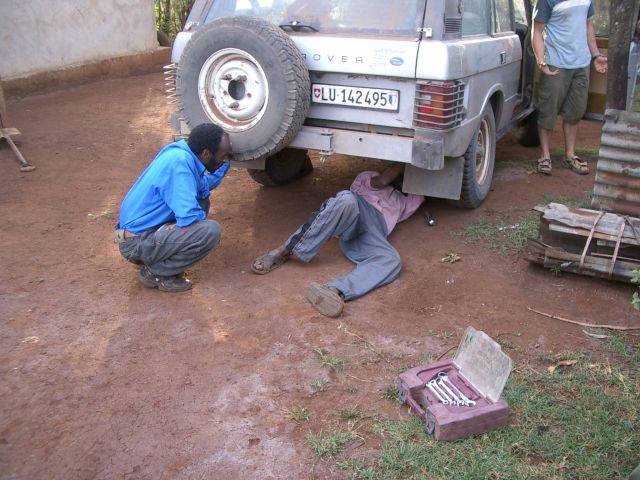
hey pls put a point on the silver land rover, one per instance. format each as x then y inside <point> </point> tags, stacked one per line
<point>431,84</point>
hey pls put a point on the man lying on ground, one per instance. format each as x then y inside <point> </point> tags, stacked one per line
<point>361,218</point>
<point>162,219</point>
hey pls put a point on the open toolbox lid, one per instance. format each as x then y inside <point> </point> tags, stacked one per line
<point>483,363</point>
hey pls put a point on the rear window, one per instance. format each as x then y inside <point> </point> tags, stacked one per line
<point>366,17</point>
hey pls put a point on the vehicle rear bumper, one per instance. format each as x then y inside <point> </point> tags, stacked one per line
<point>425,153</point>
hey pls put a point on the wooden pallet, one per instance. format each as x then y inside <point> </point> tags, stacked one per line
<point>587,242</point>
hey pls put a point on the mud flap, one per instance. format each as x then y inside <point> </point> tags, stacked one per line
<point>445,183</point>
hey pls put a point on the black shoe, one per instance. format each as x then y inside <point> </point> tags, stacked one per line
<point>175,283</point>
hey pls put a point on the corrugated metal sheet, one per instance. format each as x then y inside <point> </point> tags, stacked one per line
<point>617,183</point>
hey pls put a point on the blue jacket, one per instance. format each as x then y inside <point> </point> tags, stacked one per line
<point>169,190</point>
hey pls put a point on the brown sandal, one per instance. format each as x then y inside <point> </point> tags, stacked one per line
<point>576,165</point>
<point>544,165</point>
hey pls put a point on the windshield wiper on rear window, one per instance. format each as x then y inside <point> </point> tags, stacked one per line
<point>296,26</point>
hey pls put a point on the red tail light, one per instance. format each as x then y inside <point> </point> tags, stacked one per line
<point>438,104</point>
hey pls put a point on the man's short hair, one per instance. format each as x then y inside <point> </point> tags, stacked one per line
<point>205,135</point>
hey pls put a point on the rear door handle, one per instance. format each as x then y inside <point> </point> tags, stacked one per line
<point>503,58</point>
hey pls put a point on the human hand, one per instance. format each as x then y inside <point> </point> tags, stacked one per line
<point>547,71</point>
<point>601,64</point>
<point>388,175</point>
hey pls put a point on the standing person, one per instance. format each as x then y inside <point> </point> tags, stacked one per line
<point>564,55</point>
<point>362,218</point>
<point>163,224</point>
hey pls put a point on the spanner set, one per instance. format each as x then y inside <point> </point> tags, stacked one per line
<point>460,397</point>
<point>447,392</point>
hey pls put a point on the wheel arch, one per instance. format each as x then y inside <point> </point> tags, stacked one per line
<point>496,99</point>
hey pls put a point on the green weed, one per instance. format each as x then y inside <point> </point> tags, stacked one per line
<point>593,151</point>
<point>329,360</point>
<point>572,202</point>
<point>352,413</point>
<point>529,166</point>
<point>508,238</point>
<point>319,385</point>
<point>555,270</point>
<point>329,445</point>
<point>297,413</point>
<point>391,393</point>
<point>442,334</point>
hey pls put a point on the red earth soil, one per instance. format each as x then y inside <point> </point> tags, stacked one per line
<point>102,378</point>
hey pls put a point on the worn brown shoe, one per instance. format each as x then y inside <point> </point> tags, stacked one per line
<point>325,300</point>
<point>175,283</point>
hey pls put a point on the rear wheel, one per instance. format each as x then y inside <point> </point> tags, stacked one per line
<point>479,160</point>
<point>283,167</point>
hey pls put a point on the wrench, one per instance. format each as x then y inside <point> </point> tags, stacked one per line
<point>458,400</point>
<point>444,378</point>
<point>435,392</point>
<point>442,392</point>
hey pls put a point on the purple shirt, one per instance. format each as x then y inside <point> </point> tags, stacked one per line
<point>394,205</point>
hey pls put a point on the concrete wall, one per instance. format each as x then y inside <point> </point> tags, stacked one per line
<point>44,35</point>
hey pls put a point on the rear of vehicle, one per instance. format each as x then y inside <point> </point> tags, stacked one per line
<point>427,84</point>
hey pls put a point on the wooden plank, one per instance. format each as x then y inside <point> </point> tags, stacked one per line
<point>554,227</point>
<point>584,218</point>
<point>594,266</point>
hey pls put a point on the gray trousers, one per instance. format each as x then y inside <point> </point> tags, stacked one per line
<point>169,249</point>
<point>362,233</point>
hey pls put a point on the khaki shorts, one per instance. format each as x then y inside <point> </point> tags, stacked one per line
<point>565,94</point>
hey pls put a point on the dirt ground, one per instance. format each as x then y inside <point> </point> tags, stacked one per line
<point>102,378</point>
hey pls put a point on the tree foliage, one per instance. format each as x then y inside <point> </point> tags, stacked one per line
<point>171,15</point>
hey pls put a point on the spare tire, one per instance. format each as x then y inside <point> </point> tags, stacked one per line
<point>246,75</point>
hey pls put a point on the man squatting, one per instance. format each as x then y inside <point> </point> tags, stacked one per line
<point>163,224</point>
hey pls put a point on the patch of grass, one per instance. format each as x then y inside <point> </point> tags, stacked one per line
<point>297,413</point>
<point>529,166</point>
<point>391,393</point>
<point>349,414</point>
<point>593,151</point>
<point>327,360</point>
<point>329,445</point>
<point>579,422</point>
<point>508,238</point>
<point>572,202</point>
<point>354,465</point>
<point>442,334</point>
<point>319,385</point>
<point>555,270</point>
<point>507,344</point>
<point>617,345</point>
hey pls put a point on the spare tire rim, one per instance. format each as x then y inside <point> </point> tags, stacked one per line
<point>483,152</point>
<point>233,89</point>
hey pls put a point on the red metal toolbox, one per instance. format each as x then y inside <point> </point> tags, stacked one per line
<point>465,399</point>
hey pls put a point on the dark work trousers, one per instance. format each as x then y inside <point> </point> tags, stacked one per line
<point>169,249</point>
<point>362,233</point>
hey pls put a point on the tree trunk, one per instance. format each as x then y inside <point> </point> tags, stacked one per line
<point>623,15</point>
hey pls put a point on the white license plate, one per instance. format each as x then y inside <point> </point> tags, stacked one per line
<point>374,98</point>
